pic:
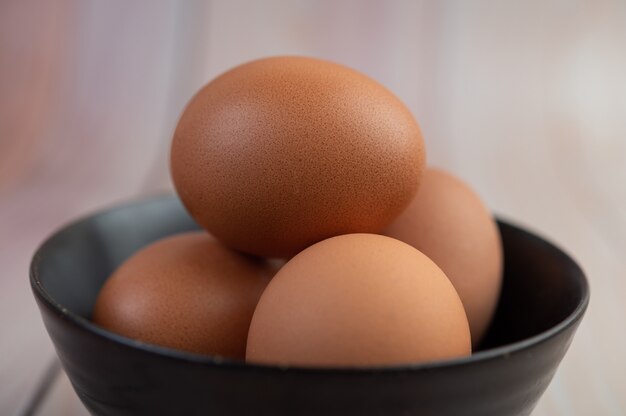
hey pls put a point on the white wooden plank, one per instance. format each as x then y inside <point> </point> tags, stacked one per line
<point>97,84</point>
<point>62,400</point>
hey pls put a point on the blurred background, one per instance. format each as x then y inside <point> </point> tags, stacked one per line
<point>525,100</point>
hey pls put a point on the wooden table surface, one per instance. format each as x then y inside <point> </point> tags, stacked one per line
<point>524,100</point>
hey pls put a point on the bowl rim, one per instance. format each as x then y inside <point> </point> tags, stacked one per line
<point>506,350</point>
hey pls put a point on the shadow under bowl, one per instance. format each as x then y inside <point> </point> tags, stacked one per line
<point>544,297</point>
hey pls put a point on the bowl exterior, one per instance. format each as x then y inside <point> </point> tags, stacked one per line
<point>113,379</point>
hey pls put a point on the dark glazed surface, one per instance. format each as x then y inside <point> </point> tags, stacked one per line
<point>544,297</point>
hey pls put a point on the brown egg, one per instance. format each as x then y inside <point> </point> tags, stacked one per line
<point>186,292</point>
<point>358,300</point>
<point>449,223</point>
<point>279,153</point>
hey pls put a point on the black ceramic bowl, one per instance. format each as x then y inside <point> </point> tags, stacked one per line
<point>544,297</point>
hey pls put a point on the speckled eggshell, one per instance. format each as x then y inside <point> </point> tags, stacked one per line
<point>279,153</point>
<point>449,223</point>
<point>358,300</point>
<point>186,292</point>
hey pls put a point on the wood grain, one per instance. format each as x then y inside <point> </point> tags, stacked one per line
<point>524,100</point>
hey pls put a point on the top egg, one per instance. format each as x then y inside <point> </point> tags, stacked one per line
<point>280,153</point>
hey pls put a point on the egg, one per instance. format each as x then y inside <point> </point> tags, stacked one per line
<point>449,223</point>
<point>358,300</point>
<point>279,153</point>
<point>185,292</point>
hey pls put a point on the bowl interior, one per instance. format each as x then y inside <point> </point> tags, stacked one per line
<point>543,288</point>
<point>81,257</point>
<point>542,285</point>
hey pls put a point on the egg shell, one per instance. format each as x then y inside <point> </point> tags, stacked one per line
<point>186,292</point>
<point>449,223</point>
<point>279,153</point>
<point>358,300</point>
